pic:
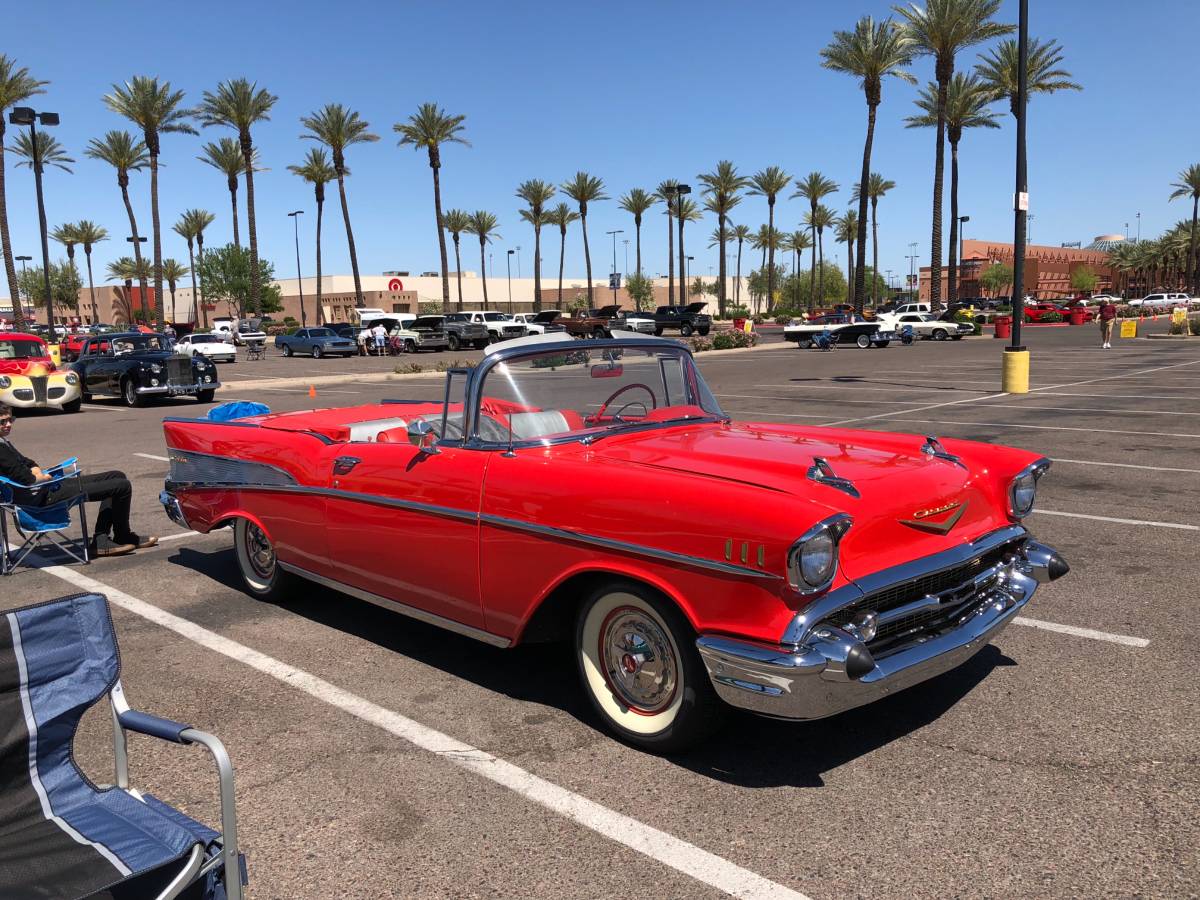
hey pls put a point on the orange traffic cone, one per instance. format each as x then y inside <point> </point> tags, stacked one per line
<point>312,391</point>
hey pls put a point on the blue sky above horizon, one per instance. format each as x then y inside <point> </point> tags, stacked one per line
<point>551,88</point>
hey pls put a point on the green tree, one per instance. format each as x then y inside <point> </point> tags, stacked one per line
<point>770,183</point>
<point>813,188</point>
<point>129,270</point>
<point>637,203</point>
<point>240,104</point>
<point>562,216</point>
<point>798,241</point>
<point>126,154</point>
<point>65,286</point>
<point>739,233</point>
<point>666,192</point>
<point>1000,68</point>
<point>456,222</point>
<point>831,286</point>
<point>1188,185</point>
<point>318,172</point>
<point>173,271</point>
<point>767,240</point>
<point>191,227</point>
<point>226,157</point>
<point>339,128</point>
<point>157,110</point>
<point>941,29</point>
<point>537,194</point>
<point>967,102</point>
<point>846,232</point>
<point>641,290</point>
<point>877,187</point>
<point>722,188</point>
<point>585,189</point>
<point>1083,279</point>
<point>996,277</point>
<point>67,236</point>
<point>428,128</point>
<point>483,225</point>
<point>871,52</point>
<point>89,234</point>
<point>16,86</point>
<point>225,272</point>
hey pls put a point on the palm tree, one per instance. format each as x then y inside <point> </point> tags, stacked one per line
<point>721,187</point>
<point>129,270</point>
<point>877,186</point>
<point>967,103</point>
<point>585,189</point>
<point>226,156</point>
<point>537,194</point>
<point>1000,68</point>
<point>686,211</point>
<point>666,192</point>
<point>798,241</point>
<point>239,104</point>
<point>89,234</point>
<point>68,237</point>
<point>813,188</point>
<point>338,128</point>
<point>739,233</point>
<point>770,183</point>
<point>871,52</point>
<point>1188,185</point>
<point>37,152</point>
<point>562,216</point>
<point>846,232</point>
<point>637,203</point>
<point>157,110</point>
<point>430,127</point>
<point>483,225</point>
<point>191,227</point>
<point>317,171</point>
<point>16,86</point>
<point>941,29</point>
<point>456,221</point>
<point>173,270</point>
<point>126,154</point>
<point>818,220</point>
<point>768,240</point>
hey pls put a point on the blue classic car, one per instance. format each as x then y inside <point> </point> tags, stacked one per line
<point>317,342</point>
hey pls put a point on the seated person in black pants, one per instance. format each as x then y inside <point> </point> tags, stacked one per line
<point>111,535</point>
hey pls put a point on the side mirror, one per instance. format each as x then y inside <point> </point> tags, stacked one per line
<point>423,436</point>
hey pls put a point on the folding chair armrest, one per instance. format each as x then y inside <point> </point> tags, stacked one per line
<point>155,726</point>
<point>73,462</point>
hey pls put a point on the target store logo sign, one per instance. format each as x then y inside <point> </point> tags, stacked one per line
<point>395,285</point>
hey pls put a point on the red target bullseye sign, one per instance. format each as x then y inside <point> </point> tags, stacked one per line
<point>395,285</point>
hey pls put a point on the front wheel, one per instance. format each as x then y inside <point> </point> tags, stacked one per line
<point>863,341</point>
<point>956,337</point>
<point>640,669</point>
<point>410,347</point>
<point>317,353</point>
<point>658,332</point>
<point>881,344</point>
<point>939,334</point>
<point>453,342</point>
<point>73,406</point>
<point>257,563</point>
<point>479,345</point>
<point>287,349</point>
<point>685,329</point>
<point>130,395</point>
<point>206,396</point>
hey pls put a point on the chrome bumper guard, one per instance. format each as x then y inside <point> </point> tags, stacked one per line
<point>832,670</point>
<point>174,511</point>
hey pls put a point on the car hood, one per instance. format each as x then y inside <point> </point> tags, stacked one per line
<point>547,316</point>
<point>897,483</point>
<point>696,307</point>
<point>30,365</point>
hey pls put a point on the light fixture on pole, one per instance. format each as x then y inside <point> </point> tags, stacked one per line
<point>295,217</point>
<point>614,277</point>
<point>27,115</point>
<point>1015,369</point>
<point>508,257</point>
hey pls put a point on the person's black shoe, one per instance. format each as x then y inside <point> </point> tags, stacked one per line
<point>104,546</point>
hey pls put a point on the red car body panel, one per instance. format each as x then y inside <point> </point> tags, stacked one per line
<point>30,364</point>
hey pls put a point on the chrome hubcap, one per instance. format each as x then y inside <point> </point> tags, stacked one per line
<point>639,663</point>
<point>259,551</point>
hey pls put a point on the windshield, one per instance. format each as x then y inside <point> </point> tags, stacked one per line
<point>22,350</point>
<point>137,343</point>
<point>425,322</point>
<point>495,317</point>
<point>320,332</point>
<point>204,339</point>
<point>588,393</point>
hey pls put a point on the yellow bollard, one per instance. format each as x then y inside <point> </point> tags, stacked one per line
<point>1015,378</point>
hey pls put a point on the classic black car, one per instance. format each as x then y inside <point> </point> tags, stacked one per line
<point>137,367</point>
<point>848,330</point>
<point>688,319</point>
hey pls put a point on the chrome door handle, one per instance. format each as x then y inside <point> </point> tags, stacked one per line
<point>343,464</point>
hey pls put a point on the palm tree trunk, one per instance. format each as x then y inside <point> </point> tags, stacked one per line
<point>952,274</point>
<point>195,293</point>
<point>255,274</point>
<point>458,266</point>
<point>820,263</point>
<point>237,241</point>
<point>587,259</point>
<point>537,268</point>
<point>849,262</point>
<point>10,266</point>
<point>137,249</point>
<point>157,229</point>
<point>437,209</point>
<point>91,283</point>
<point>737,285</point>
<point>562,252</point>
<point>721,267</point>
<point>358,297</point>
<point>770,252</point>
<point>1193,279</point>
<point>935,238</point>
<point>670,256</point>
<point>320,214</point>
<point>200,253</point>
<point>812,265</point>
<point>483,269</point>
<point>637,230</point>
<point>860,277</point>
<point>874,251</point>
<point>682,264</point>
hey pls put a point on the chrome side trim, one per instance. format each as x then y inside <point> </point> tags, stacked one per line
<point>403,608</point>
<point>824,606</point>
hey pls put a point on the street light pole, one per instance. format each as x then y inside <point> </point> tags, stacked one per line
<point>680,191</point>
<point>612,279</point>
<point>295,217</point>
<point>1139,227</point>
<point>518,260</point>
<point>26,115</point>
<point>625,241</point>
<point>1015,371</point>
<point>688,272</point>
<point>508,258</point>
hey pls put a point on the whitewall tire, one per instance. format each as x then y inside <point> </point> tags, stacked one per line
<point>257,562</point>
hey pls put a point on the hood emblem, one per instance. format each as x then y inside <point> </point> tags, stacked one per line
<point>937,519</point>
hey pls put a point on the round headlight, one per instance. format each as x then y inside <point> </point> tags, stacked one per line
<point>5,382</point>
<point>72,379</point>
<point>1024,490</point>
<point>817,558</point>
<point>813,559</point>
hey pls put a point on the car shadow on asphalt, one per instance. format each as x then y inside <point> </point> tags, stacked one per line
<point>751,751</point>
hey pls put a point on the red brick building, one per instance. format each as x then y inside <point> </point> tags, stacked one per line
<point>1047,269</point>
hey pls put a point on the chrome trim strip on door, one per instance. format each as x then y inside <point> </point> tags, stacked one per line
<point>403,608</point>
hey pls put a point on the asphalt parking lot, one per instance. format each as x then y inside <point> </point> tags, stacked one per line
<point>378,757</point>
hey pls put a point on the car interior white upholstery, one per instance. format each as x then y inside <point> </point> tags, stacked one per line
<point>528,425</point>
<point>366,432</point>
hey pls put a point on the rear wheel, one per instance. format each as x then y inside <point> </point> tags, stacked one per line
<point>257,563</point>
<point>804,343</point>
<point>452,341</point>
<point>881,344</point>
<point>658,331</point>
<point>640,669</point>
<point>956,337</point>
<point>479,345</point>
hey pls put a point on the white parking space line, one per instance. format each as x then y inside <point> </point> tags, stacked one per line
<point>705,867</point>
<point>1095,409</point>
<point>1117,465</point>
<point>1118,396</point>
<point>305,391</point>
<point>1173,434</point>
<point>876,388</point>
<point>899,412</point>
<point>1070,515</point>
<point>775,415</point>
<point>817,399</point>
<point>152,456</point>
<point>1091,633</point>
<point>243,375</point>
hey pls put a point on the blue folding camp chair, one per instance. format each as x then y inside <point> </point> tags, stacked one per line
<point>63,837</point>
<point>46,523</point>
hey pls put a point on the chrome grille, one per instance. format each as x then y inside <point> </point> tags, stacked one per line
<point>40,384</point>
<point>179,371</point>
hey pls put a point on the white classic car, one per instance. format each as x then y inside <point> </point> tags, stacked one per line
<point>209,345</point>
<point>927,325</point>
<point>539,322</point>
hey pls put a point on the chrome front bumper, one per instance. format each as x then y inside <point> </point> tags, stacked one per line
<point>831,670</point>
<point>180,390</point>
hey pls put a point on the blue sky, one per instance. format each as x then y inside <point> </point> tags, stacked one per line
<point>551,87</point>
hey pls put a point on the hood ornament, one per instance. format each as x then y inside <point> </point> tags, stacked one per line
<point>822,473</point>
<point>923,519</point>
<point>933,447</point>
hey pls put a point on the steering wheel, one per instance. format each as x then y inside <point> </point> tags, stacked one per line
<point>617,416</point>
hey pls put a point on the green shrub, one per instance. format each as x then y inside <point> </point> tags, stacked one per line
<point>736,312</point>
<point>1052,317</point>
<point>701,344</point>
<point>408,369</point>
<point>429,307</point>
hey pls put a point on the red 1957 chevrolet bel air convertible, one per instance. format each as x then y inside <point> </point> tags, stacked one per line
<point>594,490</point>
